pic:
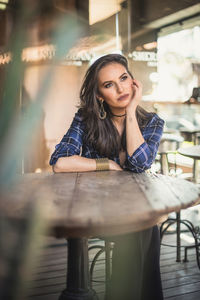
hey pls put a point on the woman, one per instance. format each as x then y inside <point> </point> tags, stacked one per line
<point>111,131</point>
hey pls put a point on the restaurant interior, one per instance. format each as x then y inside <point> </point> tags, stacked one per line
<point>46,47</point>
<point>161,44</point>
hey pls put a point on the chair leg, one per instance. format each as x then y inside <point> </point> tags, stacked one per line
<point>108,264</point>
<point>107,249</point>
<point>102,249</point>
<point>164,163</point>
<point>169,222</point>
<point>178,236</point>
<point>195,233</point>
<point>196,246</point>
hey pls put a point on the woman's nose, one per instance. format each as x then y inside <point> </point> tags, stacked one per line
<point>119,88</point>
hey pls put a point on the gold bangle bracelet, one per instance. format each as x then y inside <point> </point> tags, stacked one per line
<point>102,164</point>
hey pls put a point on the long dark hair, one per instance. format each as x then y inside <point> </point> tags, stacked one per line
<point>102,134</point>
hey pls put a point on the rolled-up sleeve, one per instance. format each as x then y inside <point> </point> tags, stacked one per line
<point>71,142</point>
<point>145,154</point>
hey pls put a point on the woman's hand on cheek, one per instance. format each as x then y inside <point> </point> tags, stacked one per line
<point>137,95</point>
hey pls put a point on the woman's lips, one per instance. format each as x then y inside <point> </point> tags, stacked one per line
<point>123,97</point>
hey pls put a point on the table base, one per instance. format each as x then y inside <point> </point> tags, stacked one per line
<point>78,281</point>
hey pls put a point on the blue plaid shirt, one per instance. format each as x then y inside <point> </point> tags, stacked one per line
<point>140,160</point>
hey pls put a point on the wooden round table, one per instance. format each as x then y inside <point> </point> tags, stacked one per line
<point>172,138</point>
<point>192,152</point>
<point>82,205</point>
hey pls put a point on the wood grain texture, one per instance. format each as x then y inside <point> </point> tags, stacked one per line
<point>98,203</point>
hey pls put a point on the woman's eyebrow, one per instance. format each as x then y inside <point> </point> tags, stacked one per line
<point>123,74</point>
<point>108,81</point>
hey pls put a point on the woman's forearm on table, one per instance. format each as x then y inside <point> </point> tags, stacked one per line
<point>74,163</point>
<point>78,163</point>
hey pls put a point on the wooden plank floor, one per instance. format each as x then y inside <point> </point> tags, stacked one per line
<point>181,281</point>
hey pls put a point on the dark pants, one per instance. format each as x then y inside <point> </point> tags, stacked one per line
<point>136,267</point>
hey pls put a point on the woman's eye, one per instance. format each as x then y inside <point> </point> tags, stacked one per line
<point>124,77</point>
<point>108,85</point>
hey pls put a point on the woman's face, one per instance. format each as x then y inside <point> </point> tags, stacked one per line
<point>115,86</point>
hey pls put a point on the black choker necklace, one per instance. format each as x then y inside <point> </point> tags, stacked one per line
<point>119,116</point>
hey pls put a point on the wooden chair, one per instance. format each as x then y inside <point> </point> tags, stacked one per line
<point>177,220</point>
<point>194,153</point>
<point>106,248</point>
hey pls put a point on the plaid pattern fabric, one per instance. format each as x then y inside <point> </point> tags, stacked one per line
<point>139,161</point>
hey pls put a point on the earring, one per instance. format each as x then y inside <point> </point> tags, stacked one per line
<point>102,112</point>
